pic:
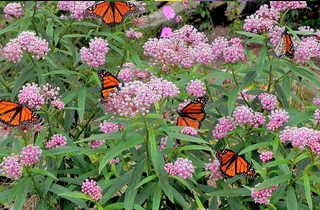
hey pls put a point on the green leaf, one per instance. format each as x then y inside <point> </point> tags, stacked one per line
<point>196,147</point>
<point>76,195</point>
<point>199,204</point>
<point>157,194</point>
<point>135,56</point>
<point>262,59</point>
<point>230,192</point>
<point>281,95</point>
<point>300,157</point>
<point>23,77</point>
<point>62,150</point>
<point>250,76</point>
<point>232,97</point>
<point>146,180</point>
<point>273,181</point>
<point>187,138</point>
<point>179,199</point>
<point>292,199</point>
<point>82,96</point>
<point>276,163</point>
<point>63,72</point>
<point>255,146</point>
<point>299,118</point>
<point>60,190</point>
<point>44,172</point>
<point>22,193</point>
<point>307,190</point>
<point>11,27</point>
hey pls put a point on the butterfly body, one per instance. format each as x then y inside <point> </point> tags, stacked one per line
<point>108,83</point>
<point>231,164</point>
<point>111,12</point>
<point>193,114</point>
<point>284,46</point>
<point>13,114</point>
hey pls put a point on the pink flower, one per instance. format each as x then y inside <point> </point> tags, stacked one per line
<point>166,32</point>
<point>189,131</point>
<point>266,156</point>
<point>91,188</point>
<point>95,54</point>
<point>50,92</point>
<point>242,95</point>
<point>31,95</point>
<point>168,12</point>
<point>30,154</point>
<point>133,34</point>
<point>234,52</point>
<point>196,87</point>
<point>107,127</point>
<point>316,101</point>
<point>57,104</point>
<point>275,34</point>
<point>117,160</point>
<point>257,119</point>
<point>277,118</point>
<point>76,8</point>
<point>262,196</point>
<point>95,144</point>
<point>178,18</point>
<point>13,9</point>
<point>317,114</point>
<point>242,115</point>
<point>306,49</point>
<point>225,125</point>
<point>127,74</point>
<point>11,166</point>
<point>184,4</point>
<point>57,140</point>
<point>282,5</point>
<point>182,167</point>
<point>214,168</point>
<point>268,101</point>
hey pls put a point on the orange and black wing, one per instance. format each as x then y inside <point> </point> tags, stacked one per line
<point>108,83</point>
<point>13,114</point>
<point>231,165</point>
<point>284,46</point>
<point>193,114</point>
<point>112,12</point>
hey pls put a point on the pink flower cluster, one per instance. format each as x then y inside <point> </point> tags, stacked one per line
<point>277,118</point>
<point>262,196</point>
<point>225,125</point>
<point>92,189</point>
<point>306,49</point>
<point>163,145</point>
<point>316,101</point>
<point>13,9</point>
<point>182,167</point>
<point>136,97</point>
<point>95,54</point>
<point>196,87</point>
<point>301,138</point>
<point>30,154</point>
<point>275,34</point>
<point>76,8</point>
<point>133,34</point>
<point>231,51</point>
<point>35,96</point>
<point>116,160</point>
<point>268,101</point>
<point>243,115</point>
<point>57,140</point>
<point>317,114</point>
<point>107,127</point>
<point>282,5</point>
<point>189,131</point>
<point>128,74</point>
<point>266,156</point>
<point>95,144</point>
<point>11,166</point>
<point>247,97</point>
<point>214,168</point>
<point>27,41</point>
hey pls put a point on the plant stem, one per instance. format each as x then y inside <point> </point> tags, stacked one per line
<point>146,142</point>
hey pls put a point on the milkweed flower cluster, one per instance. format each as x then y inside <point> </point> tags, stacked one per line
<point>133,34</point>
<point>136,97</point>
<point>108,127</point>
<point>127,74</point>
<point>13,9</point>
<point>243,95</point>
<point>231,51</point>
<point>163,145</point>
<point>225,125</point>
<point>244,114</point>
<point>30,154</point>
<point>213,169</point>
<point>95,54</point>
<point>306,49</point>
<point>57,140</point>
<point>275,34</point>
<point>189,131</point>
<point>182,167</point>
<point>317,114</point>
<point>168,12</point>
<point>266,156</point>
<point>262,196</point>
<point>277,118</point>
<point>196,87</point>
<point>26,41</point>
<point>116,160</point>
<point>11,166</point>
<point>282,5</point>
<point>268,101</point>
<point>316,101</point>
<point>301,138</point>
<point>92,189</point>
<point>76,8</point>
<point>35,96</point>
<point>95,144</point>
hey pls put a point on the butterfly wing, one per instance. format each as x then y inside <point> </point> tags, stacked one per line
<point>244,168</point>
<point>284,46</point>
<point>112,12</point>
<point>13,114</point>
<point>108,83</point>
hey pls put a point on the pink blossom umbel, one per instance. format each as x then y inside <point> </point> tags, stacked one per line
<point>268,101</point>
<point>30,154</point>
<point>266,156</point>
<point>182,167</point>
<point>92,189</point>
<point>13,9</point>
<point>243,115</point>
<point>178,18</point>
<point>95,144</point>
<point>31,95</point>
<point>277,118</point>
<point>262,196</point>
<point>11,166</point>
<point>76,8</point>
<point>257,119</point>
<point>127,74</point>
<point>225,125</point>
<point>133,34</point>
<point>196,87</point>
<point>27,41</point>
<point>231,51</point>
<point>95,54</point>
<point>116,160</point>
<point>108,127</point>
<point>283,5</point>
<point>189,131</point>
<point>163,145</point>
<point>316,101</point>
<point>168,12</point>
<point>317,114</point>
<point>213,169</point>
<point>57,140</point>
<point>166,32</point>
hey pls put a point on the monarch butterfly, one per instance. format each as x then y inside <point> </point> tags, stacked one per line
<point>111,12</point>
<point>232,164</point>
<point>108,83</point>
<point>284,46</point>
<point>13,114</point>
<point>193,113</point>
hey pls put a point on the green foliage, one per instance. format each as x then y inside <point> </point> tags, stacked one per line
<point>204,12</point>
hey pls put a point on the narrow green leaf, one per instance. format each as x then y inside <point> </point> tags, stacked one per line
<point>262,60</point>
<point>299,118</point>
<point>276,163</point>
<point>199,204</point>
<point>82,96</point>
<point>22,193</point>
<point>23,77</point>
<point>300,157</point>
<point>273,181</point>
<point>11,27</point>
<point>281,95</point>
<point>179,199</point>
<point>255,146</point>
<point>63,72</point>
<point>247,80</point>
<point>157,194</point>
<point>44,172</point>
<point>307,190</point>
<point>76,195</point>
<point>196,147</point>
<point>230,192</point>
<point>59,190</point>
<point>62,150</point>
<point>292,199</point>
<point>146,180</point>
<point>232,97</point>
<point>187,138</point>
<point>135,56</point>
